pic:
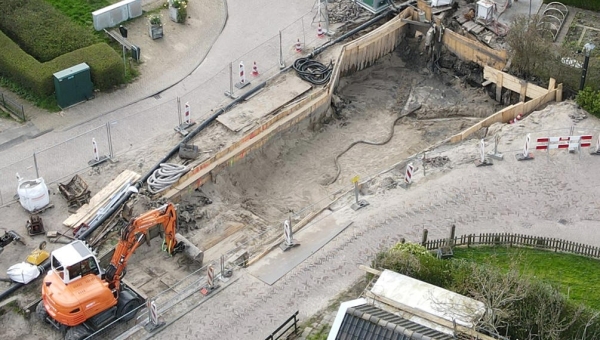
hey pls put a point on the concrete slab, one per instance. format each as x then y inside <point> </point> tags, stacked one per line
<point>518,8</point>
<point>276,264</point>
<point>273,97</point>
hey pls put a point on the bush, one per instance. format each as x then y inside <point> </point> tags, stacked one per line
<point>589,100</point>
<point>41,30</point>
<point>23,69</point>
<point>518,306</point>
<point>105,65</point>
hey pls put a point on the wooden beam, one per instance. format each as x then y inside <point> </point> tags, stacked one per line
<point>433,318</point>
<point>559,91</point>
<point>370,270</point>
<point>416,23</point>
<point>523,91</point>
<point>552,84</point>
<point>486,83</point>
<point>499,81</point>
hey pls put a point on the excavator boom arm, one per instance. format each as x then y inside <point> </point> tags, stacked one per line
<point>135,233</point>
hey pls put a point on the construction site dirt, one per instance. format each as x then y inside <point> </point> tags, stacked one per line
<point>294,175</point>
<point>291,177</point>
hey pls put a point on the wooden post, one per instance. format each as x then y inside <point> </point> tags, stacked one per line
<point>452,234</point>
<point>559,93</point>
<point>499,87</point>
<point>551,84</point>
<point>424,237</point>
<point>523,91</point>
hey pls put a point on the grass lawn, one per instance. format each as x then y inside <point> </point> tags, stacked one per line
<point>575,276</point>
<point>79,11</point>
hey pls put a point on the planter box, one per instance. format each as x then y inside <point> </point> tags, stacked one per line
<point>155,31</point>
<point>173,14</point>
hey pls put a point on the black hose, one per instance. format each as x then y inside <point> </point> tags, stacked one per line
<point>313,71</point>
<point>385,141</point>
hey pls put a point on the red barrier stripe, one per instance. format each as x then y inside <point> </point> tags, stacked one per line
<point>543,140</point>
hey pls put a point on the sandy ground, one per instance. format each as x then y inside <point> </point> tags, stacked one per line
<point>288,177</point>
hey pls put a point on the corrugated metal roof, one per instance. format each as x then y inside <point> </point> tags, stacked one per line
<point>367,322</point>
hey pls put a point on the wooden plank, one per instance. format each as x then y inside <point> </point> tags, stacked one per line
<point>269,100</point>
<point>551,84</point>
<point>370,270</point>
<point>486,83</point>
<point>523,91</point>
<point>513,83</point>
<point>499,84</point>
<point>101,197</point>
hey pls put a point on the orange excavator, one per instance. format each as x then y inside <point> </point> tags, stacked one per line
<point>79,297</point>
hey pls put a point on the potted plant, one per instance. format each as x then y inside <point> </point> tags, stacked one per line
<point>178,10</point>
<point>156,27</point>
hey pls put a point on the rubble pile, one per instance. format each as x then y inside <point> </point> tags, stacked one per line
<point>343,11</point>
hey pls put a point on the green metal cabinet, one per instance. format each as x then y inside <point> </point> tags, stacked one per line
<point>73,85</point>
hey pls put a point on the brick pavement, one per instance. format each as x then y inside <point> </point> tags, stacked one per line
<point>529,198</point>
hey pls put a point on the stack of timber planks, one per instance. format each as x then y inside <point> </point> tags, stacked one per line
<point>88,211</point>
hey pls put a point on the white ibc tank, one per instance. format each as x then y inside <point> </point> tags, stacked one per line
<point>33,194</point>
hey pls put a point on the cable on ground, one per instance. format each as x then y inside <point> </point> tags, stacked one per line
<point>165,176</point>
<point>385,141</point>
<point>313,71</point>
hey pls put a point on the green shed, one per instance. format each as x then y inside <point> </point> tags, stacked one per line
<point>73,85</point>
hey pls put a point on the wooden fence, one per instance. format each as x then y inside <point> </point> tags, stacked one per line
<point>509,239</point>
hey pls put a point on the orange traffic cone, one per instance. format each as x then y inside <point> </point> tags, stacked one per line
<point>254,69</point>
<point>298,46</point>
<point>320,32</point>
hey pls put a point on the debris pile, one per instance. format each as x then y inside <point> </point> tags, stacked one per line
<point>437,161</point>
<point>342,11</point>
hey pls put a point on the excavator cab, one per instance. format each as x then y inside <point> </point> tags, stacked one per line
<point>74,261</point>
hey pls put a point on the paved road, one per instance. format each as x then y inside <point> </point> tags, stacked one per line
<point>529,198</point>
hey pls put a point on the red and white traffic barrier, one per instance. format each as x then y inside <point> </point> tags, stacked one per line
<point>408,174</point>
<point>571,143</point>
<point>242,74</point>
<point>298,46</point>
<point>96,153</point>
<point>254,69</point>
<point>187,119</point>
<point>210,279</point>
<point>320,32</point>
<point>526,155</point>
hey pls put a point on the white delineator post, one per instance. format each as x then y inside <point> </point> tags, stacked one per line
<point>526,155</point>
<point>243,83</point>
<point>187,115</point>
<point>96,153</point>
<point>408,174</point>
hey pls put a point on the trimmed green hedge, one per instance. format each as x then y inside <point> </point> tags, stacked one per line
<point>105,65</point>
<point>41,30</point>
<point>593,5</point>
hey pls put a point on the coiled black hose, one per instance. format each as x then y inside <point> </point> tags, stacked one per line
<point>313,71</point>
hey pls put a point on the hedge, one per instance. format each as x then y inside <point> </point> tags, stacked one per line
<point>105,65</point>
<point>41,30</point>
<point>593,5</point>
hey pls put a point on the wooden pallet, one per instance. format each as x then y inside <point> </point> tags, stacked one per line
<point>472,27</point>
